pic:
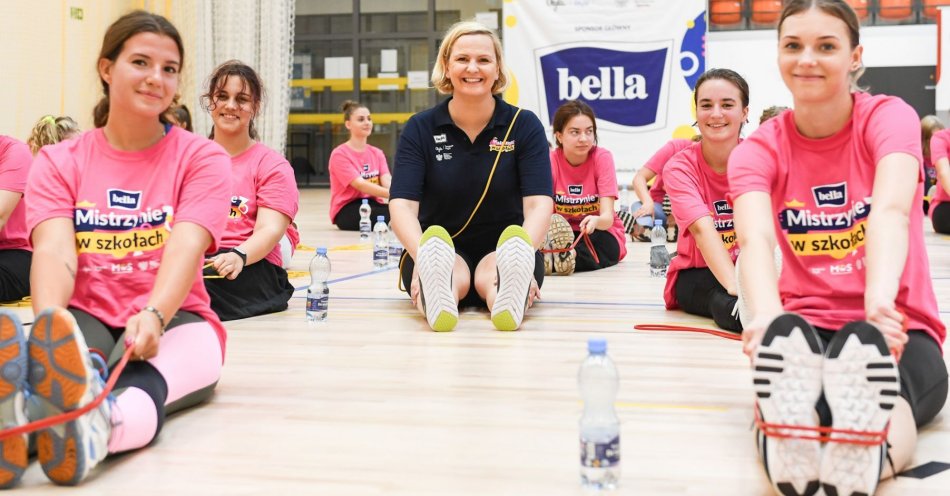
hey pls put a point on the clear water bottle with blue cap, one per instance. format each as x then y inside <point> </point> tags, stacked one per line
<point>380,243</point>
<point>395,247</point>
<point>318,293</point>
<point>366,225</point>
<point>599,425</point>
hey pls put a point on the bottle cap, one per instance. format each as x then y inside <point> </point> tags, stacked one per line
<point>365,201</point>
<point>381,218</point>
<point>657,222</point>
<point>597,346</point>
<point>322,250</point>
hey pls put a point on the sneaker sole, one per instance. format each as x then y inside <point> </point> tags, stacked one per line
<point>13,372</point>
<point>787,381</point>
<point>59,379</point>
<point>562,237</point>
<point>436,263</point>
<point>862,384</point>
<point>515,261</point>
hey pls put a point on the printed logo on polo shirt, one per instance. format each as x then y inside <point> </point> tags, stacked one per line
<point>496,145</point>
<point>439,138</point>
<point>238,207</point>
<point>365,167</point>
<point>837,234</point>
<point>575,189</point>
<point>119,234</point>
<point>126,200</point>
<point>831,195</point>
<point>625,83</point>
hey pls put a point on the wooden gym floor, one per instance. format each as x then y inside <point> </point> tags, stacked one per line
<point>374,403</point>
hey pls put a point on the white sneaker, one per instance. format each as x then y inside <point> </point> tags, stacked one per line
<point>13,371</point>
<point>515,261</point>
<point>63,378</point>
<point>435,264</point>
<point>787,381</point>
<point>862,384</point>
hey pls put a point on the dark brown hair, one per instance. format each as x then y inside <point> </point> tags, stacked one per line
<point>251,84</point>
<point>726,75</point>
<point>569,110</point>
<point>350,106</point>
<point>114,40</point>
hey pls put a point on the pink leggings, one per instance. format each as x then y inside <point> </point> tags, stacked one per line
<point>189,360</point>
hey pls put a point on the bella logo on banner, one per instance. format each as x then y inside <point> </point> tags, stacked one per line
<point>624,84</point>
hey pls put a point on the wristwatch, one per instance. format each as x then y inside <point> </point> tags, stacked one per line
<point>241,254</point>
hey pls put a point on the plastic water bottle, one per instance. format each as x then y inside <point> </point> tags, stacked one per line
<point>318,293</point>
<point>624,201</point>
<point>659,256</point>
<point>365,225</point>
<point>395,248</point>
<point>599,426</point>
<point>380,243</point>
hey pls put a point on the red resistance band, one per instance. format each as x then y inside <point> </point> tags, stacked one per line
<point>72,414</point>
<point>586,238</point>
<point>823,434</point>
<point>665,327</point>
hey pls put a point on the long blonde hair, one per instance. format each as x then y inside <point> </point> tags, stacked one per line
<point>50,130</point>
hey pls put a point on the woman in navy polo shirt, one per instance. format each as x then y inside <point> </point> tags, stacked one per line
<point>443,164</point>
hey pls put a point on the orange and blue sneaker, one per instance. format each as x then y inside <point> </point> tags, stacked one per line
<point>515,259</point>
<point>13,372</point>
<point>62,378</point>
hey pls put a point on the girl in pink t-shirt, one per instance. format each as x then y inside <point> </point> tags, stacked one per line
<point>251,280</point>
<point>15,252</point>
<point>940,198</point>
<point>701,279</point>
<point>836,184</point>
<point>650,204</point>
<point>358,171</point>
<point>141,202</point>
<point>929,126</point>
<point>585,187</point>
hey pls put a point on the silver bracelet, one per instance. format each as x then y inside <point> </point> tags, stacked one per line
<point>158,313</point>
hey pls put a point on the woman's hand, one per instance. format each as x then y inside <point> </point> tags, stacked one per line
<point>752,333</point>
<point>589,224</point>
<point>890,321</point>
<point>227,264</point>
<point>645,209</point>
<point>142,334</point>
<point>534,293</point>
<point>414,290</point>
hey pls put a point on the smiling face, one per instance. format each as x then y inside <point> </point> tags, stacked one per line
<point>472,66</point>
<point>360,123</point>
<point>233,107</point>
<point>143,79</point>
<point>719,111</point>
<point>815,56</point>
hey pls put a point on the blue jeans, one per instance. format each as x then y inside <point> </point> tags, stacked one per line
<point>646,220</point>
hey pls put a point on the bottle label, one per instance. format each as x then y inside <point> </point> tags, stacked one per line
<point>600,455</point>
<point>317,303</point>
<point>380,254</point>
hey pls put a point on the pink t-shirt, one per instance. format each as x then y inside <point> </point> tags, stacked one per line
<point>347,164</point>
<point>821,197</point>
<point>260,177</point>
<point>577,190</point>
<point>15,160</point>
<point>124,206</point>
<point>939,148</point>
<point>659,160</point>
<point>696,191</point>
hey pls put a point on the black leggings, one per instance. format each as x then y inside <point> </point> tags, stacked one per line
<point>606,247</point>
<point>941,218</point>
<point>259,289</point>
<point>14,274</point>
<point>923,377</point>
<point>348,218</point>
<point>699,293</point>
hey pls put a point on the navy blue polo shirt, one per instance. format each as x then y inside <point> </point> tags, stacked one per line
<point>437,166</point>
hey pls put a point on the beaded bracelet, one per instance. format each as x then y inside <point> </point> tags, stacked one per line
<point>158,313</point>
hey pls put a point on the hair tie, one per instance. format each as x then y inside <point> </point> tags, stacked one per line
<point>49,119</point>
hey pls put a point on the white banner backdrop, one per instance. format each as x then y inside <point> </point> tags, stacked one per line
<point>634,62</point>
